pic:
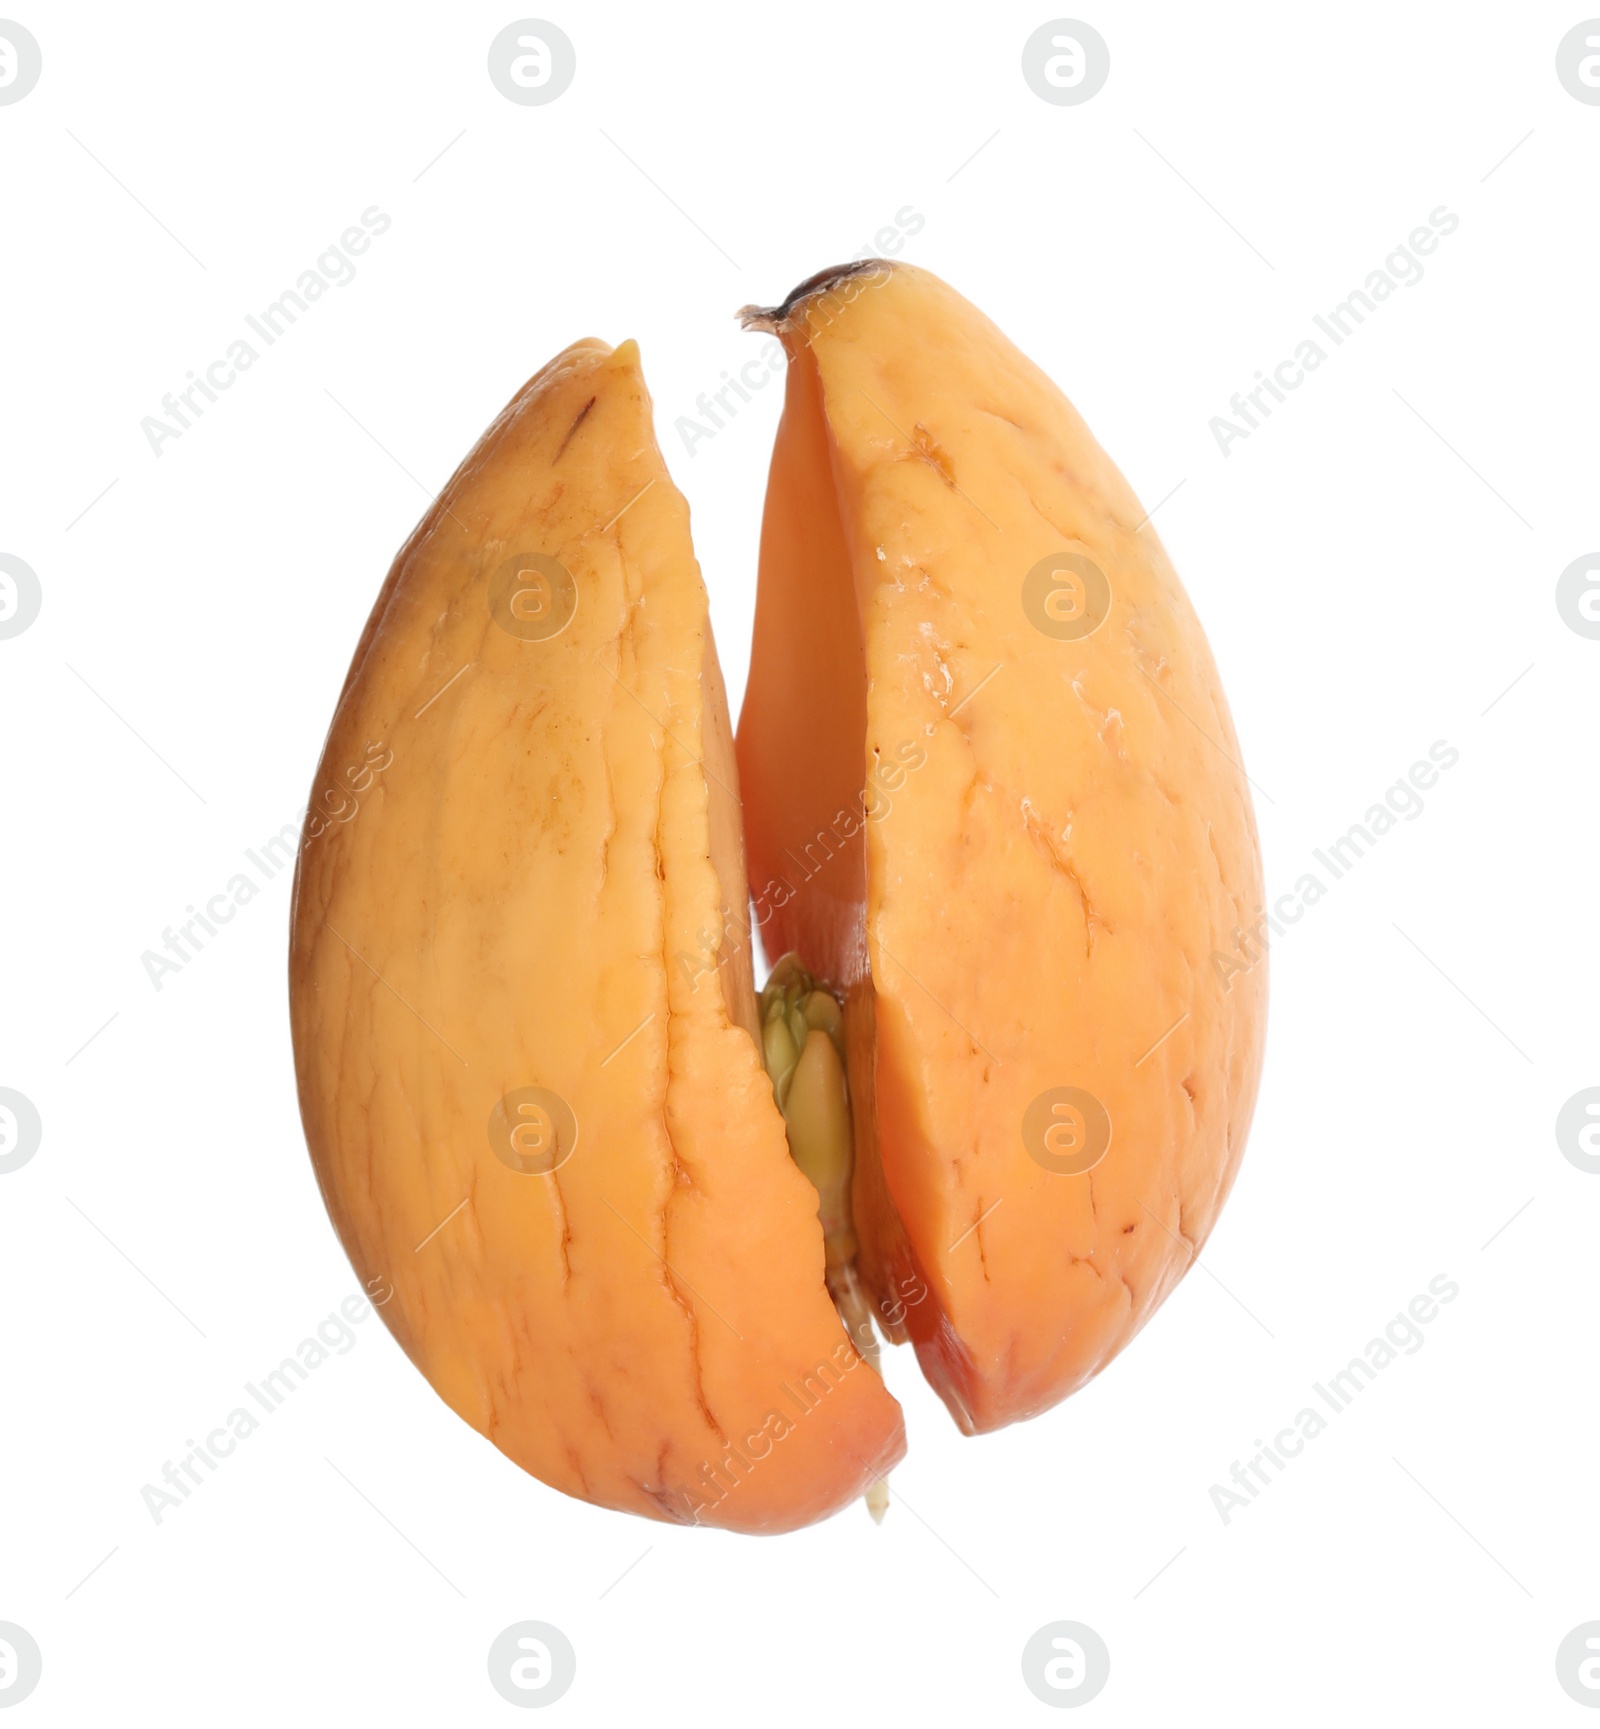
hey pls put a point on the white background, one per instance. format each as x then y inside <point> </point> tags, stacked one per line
<point>1367,589</point>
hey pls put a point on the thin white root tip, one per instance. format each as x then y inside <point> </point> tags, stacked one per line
<point>877,1499</point>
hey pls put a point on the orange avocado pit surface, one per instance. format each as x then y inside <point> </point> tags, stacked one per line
<point>984,801</point>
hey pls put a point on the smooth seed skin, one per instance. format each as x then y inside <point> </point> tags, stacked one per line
<point>780,1053</point>
<point>818,1119</point>
<point>823,1011</point>
<point>798,1027</point>
<point>815,1098</point>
